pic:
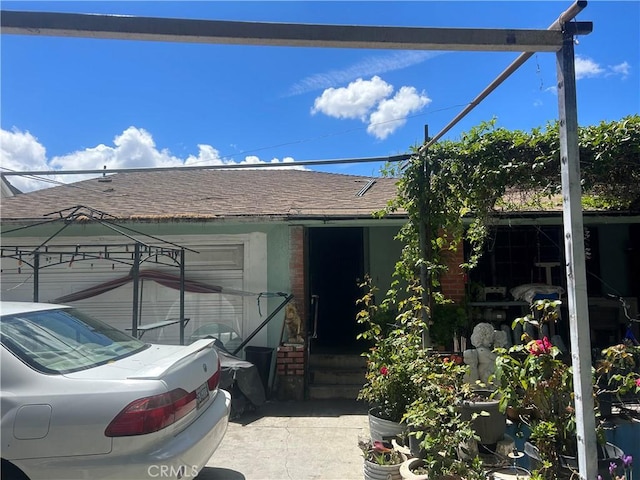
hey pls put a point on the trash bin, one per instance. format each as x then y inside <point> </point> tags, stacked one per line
<point>261,358</point>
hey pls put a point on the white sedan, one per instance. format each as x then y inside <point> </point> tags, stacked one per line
<point>80,399</point>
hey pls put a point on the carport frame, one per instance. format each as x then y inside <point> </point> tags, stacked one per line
<point>559,37</point>
<point>133,254</point>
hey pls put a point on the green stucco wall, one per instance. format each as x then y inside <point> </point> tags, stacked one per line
<point>384,252</point>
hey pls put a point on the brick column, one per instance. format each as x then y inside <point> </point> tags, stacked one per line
<point>297,269</point>
<point>452,282</point>
<point>290,361</point>
<point>290,368</point>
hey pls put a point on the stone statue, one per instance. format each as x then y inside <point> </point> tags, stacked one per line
<point>482,360</point>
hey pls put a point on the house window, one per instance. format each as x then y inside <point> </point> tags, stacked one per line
<point>521,255</point>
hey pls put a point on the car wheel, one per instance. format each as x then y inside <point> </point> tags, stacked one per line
<point>9,471</point>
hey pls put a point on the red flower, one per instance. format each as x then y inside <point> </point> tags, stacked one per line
<point>384,370</point>
<point>638,382</point>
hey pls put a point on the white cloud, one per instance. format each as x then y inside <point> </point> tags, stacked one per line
<point>21,151</point>
<point>368,66</point>
<point>587,68</point>
<point>134,148</point>
<point>368,100</point>
<point>621,69</point>
<point>392,113</point>
<point>207,155</point>
<point>354,101</point>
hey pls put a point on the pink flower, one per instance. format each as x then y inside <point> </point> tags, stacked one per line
<point>384,370</point>
<point>381,447</point>
<point>539,347</point>
<point>638,382</point>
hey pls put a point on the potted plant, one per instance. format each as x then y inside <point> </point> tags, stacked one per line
<point>535,382</point>
<point>381,460</point>
<point>420,469</point>
<point>446,441</point>
<point>449,320</point>
<point>391,362</point>
<point>622,470</point>
<point>618,375</point>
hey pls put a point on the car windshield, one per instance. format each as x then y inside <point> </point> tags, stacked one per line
<point>64,340</point>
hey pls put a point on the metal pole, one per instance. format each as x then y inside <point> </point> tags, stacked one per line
<point>565,16</point>
<point>36,276</point>
<point>424,233</point>
<point>135,270</point>
<point>237,166</point>
<point>575,257</point>
<point>182,296</point>
<point>287,299</point>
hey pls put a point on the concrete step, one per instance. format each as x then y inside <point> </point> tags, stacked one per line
<point>328,392</point>
<point>335,376</point>
<point>340,361</point>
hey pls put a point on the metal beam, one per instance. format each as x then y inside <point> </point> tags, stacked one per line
<point>576,273</point>
<point>225,166</point>
<point>276,34</point>
<point>557,26</point>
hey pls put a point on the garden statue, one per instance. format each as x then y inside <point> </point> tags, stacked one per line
<point>482,360</point>
<point>293,324</point>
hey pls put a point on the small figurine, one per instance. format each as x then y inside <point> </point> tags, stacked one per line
<point>293,323</point>
<point>482,360</point>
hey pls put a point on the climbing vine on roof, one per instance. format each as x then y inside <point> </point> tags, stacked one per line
<point>454,189</point>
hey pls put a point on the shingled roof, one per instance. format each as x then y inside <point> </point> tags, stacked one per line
<point>211,194</point>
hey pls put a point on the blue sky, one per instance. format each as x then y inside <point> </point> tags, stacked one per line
<point>74,103</point>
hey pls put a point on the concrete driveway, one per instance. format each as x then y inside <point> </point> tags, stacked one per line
<point>316,439</point>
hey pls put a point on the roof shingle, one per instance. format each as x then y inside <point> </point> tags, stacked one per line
<point>210,194</point>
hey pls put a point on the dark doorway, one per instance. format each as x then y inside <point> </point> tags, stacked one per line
<point>634,260</point>
<point>336,267</point>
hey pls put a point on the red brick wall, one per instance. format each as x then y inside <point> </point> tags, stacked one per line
<point>297,270</point>
<point>290,360</point>
<point>453,281</point>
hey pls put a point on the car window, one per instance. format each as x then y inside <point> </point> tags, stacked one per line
<point>64,340</point>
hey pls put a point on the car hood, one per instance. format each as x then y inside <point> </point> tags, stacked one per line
<point>152,363</point>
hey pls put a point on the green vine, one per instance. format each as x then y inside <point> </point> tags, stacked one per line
<point>453,191</point>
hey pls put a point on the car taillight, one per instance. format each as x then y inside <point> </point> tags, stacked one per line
<point>214,380</point>
<point>150,414</point>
